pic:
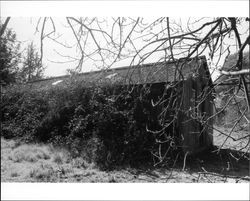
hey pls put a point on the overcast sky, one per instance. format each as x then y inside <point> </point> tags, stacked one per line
<point>25,28</point>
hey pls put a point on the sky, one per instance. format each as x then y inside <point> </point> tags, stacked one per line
<point>25,28</point>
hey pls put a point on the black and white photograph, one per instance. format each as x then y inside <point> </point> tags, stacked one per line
<point>125,99</point>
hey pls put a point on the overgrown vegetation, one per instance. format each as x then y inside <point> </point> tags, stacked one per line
<point>106,124</point>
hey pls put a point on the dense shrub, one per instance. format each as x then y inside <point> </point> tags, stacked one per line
<point>105,124</point>
<point>21,112</point>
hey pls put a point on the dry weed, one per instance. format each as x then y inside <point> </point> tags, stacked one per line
<point>9,144</point>
<point>58,158</point>
<point>79,163</point>
<point>29,153</point>
<point>43,172</point>
<point>14,174</point>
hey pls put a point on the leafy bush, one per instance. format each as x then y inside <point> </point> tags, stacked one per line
<point>105,124</point>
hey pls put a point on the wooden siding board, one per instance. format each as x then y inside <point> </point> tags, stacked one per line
<point>206,110</point>
<point>188,127</point>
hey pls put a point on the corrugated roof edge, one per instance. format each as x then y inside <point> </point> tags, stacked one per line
<point>122,68</point>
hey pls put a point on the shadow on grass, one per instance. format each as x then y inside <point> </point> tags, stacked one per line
<point>225,162</point>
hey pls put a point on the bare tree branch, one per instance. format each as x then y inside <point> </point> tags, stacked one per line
<point>4,26</point>
<point>240,72</point>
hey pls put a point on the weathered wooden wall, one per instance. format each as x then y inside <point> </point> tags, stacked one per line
<point>206,108</point>
<point>188,128</point>
<point>195,126</point>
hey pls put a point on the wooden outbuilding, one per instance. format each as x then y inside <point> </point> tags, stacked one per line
<point>190,77</point>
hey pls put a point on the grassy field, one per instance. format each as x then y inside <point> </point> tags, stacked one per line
<point>44,163</point>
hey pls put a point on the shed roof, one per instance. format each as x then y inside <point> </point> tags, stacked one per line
<point>140,74</point>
